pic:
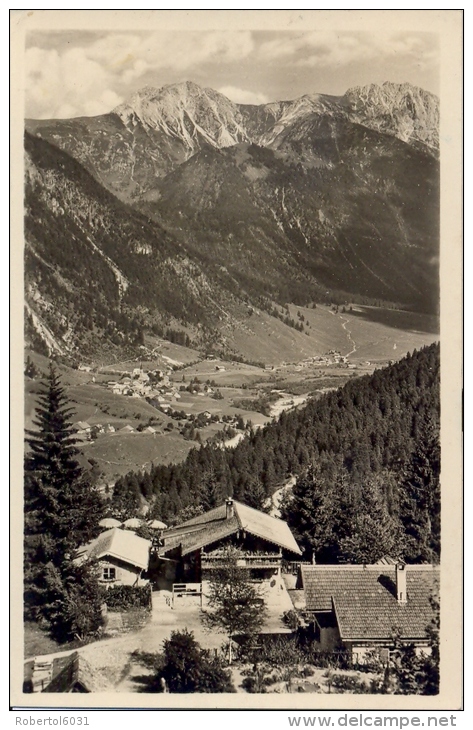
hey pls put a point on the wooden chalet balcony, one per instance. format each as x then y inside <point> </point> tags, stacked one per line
<point>212,561</point>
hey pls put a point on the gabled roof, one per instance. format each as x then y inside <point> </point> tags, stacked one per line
<point>364,600</point>
<point>215,525</point>
<point>75,674</point>
<point>121,544</point>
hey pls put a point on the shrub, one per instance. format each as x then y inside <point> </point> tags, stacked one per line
<point>276,652</point>
<point>291,619</point>
<point>258,679</point>
<point>307,671</point>
<point>338,659</point>
<point>343,683</point>
<point>123,598</point>
<point>189,668</point>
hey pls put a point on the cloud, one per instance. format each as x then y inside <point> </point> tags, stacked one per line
<point>132,54</point>
<point>94,77</point>
<point>70,74</point>
<point>67,84</point>
<point>331,49</point>
<point>243,96</point>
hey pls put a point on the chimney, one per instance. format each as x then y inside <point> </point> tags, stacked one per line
<point>229,505</point>
<point>401,585</point>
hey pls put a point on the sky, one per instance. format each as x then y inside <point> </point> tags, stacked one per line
<point>86,73</point>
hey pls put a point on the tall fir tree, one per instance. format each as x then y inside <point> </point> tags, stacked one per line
<point>61,510</point>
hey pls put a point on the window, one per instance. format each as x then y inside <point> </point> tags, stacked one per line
<point>109,574</point>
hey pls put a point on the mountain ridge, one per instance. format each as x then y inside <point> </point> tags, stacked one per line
<point>161,127</point>
<point>231,206</point>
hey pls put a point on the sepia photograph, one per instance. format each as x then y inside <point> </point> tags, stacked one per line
<point>238,469</point>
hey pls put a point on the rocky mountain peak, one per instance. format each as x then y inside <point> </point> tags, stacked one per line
<point>186,111</point>
<point>403,110</point>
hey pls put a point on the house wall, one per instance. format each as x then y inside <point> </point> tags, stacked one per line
<point>361,653</point>
<point>125,574</point>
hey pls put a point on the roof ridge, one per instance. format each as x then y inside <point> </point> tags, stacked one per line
<point>236,513</point>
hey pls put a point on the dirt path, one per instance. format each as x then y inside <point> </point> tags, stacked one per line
<point>350,338</point>
<point>124,658</point>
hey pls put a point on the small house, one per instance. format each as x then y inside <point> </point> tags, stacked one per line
<point>122,556</point>
<point>364,607</point>
<point>82,427</point>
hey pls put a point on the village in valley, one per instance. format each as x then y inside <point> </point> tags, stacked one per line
<point>299,625</point>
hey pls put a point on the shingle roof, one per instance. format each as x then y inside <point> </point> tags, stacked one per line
<point>364,599</point>
<point>75,675</point>
<point>121,544</point>
<point>214,525</point>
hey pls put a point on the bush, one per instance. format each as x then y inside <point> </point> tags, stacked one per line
<point>352,684</point>
<point>307,671</point>
<point>258,679</point>
<point>123,598</point>
<point>291,619</point>
<point>337,659</point>
<point>189,668</point>
<point>275,652</point>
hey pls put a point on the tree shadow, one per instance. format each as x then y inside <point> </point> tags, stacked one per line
<point>397,319</point>
<point>147,683</point>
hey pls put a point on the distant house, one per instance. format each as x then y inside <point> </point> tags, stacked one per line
<point>122,556</point>
<point>127,429</point>
<point>82,427</point>
<point>364,607</point>
<point>193,550</point>
<point>109,428</point>
<point>85,368</point>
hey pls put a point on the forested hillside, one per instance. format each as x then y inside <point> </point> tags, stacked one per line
<point>368,457</point>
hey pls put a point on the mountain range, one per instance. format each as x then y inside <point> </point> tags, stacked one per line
<point>182,207</point>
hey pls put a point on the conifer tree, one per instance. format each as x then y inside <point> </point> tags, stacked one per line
<point>59,500</point>
<point>61,510</point>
